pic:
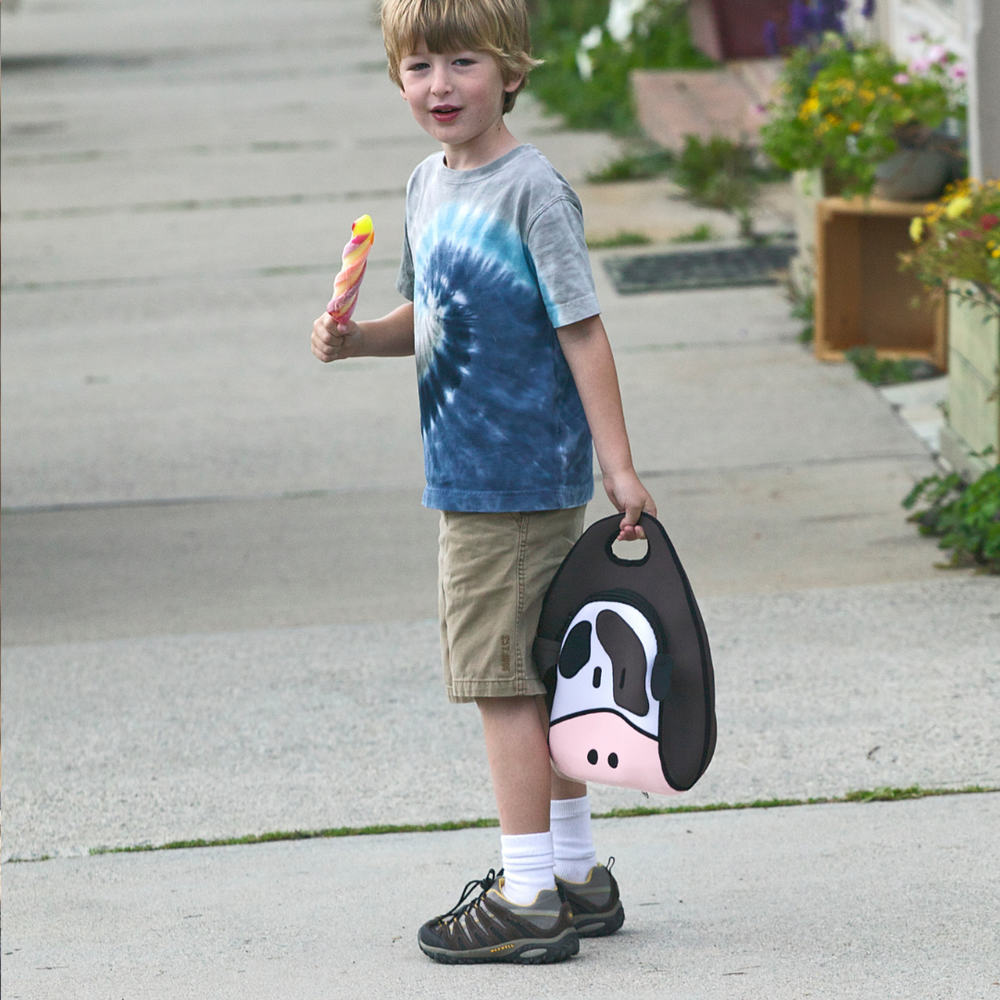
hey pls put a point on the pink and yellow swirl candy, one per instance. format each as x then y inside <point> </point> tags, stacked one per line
<point>347,284</point>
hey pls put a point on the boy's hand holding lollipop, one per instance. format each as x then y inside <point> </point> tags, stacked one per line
<point>333,332</point>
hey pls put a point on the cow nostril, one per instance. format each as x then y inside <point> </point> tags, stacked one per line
<point>613,759</point>
<point>597,677</point>
<point>592,756</point>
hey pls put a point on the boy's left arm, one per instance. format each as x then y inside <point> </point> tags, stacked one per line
<point>585,345</point>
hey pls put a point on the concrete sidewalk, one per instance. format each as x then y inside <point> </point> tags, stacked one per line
<point>869,902</point>
<point>219,584</point>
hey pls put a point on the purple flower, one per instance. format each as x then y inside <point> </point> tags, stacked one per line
<point>958,72</point>
<point>771,38</point>
<point>921,65</point>
<point>800,22</point>
<point>937,53</point>
<point>868,10</point>
<point>902,79</point>
<point>829,15</point>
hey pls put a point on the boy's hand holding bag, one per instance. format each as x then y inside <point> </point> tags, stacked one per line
<point>624,656</point>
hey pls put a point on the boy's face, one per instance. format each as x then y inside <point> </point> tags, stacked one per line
<point>455,96</point>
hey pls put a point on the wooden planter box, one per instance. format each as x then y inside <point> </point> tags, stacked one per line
<point>862,298</point>
<point>734,29</point>
<point>973,422</point>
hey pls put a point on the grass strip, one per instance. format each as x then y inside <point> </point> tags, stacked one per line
<point>862,795</point>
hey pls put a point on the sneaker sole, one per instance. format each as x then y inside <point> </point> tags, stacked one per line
<point>527,951</point>
<point>599,924</point>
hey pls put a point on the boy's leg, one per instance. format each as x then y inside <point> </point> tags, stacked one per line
<point>519,762</point>
<point>589,888</point>
<point>569,820</point>
<point>519,765</point>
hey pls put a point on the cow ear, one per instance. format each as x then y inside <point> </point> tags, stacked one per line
<point>659,681</point>
<point>576,650</point>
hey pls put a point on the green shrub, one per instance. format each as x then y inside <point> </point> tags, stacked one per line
<point>659,39</point>
<point>966,518</point>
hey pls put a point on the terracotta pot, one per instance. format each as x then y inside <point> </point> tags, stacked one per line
<point>734,29</point>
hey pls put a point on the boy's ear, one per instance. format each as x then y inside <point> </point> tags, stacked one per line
<point>512,85</point>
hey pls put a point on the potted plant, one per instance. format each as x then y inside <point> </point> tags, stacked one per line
<point>857,114</point>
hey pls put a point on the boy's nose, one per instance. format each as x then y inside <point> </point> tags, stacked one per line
<point>441,81</point>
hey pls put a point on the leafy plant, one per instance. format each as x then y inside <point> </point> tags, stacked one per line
<point>624,238</point>
<point>958,237</point>
<point>966,518</point>
<point>845,107</point>
<point>803,303</point>
<point>720,173</point>
<point>635,167</point>
<point>602,98</point>
<point>701,233</point>
<point>888,371</point>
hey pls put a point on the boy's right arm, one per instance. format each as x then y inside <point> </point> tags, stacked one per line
<point>388,337</point>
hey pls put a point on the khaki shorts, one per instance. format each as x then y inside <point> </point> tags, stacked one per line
<point>493,571</point>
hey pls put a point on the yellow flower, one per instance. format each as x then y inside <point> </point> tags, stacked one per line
<point>866,95</point>
<point>916,229</point>
<point>809,107</point>
<point>959,206</point>
<point>996,253</point>
<point>855,126</point>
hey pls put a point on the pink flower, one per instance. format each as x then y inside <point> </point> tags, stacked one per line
<point>958,72</point>
<point>921,65</point>
<point>937,53</point>
<point>914,38</point>
<point>902,79</point>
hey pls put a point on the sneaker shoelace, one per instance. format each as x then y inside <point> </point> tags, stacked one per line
<point>462,907</point>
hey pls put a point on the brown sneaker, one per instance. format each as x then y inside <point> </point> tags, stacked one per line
<point>597,907</point>
<point>490,928</point>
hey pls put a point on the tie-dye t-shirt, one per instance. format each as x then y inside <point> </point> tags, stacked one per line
<point>494,260</point>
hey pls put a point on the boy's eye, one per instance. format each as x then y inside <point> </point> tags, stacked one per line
<point>414,67</point>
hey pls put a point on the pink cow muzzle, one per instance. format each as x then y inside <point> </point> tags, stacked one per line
<point>601,746</point>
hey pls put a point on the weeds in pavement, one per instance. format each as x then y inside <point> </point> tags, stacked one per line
<point>636,166</point>
<point>862,795</point>
<point>702,233</point>
<point>623,238</point>
<point>888,371</point>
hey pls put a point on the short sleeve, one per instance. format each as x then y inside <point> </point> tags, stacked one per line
<point>404,281</point>
<point>562,264</point>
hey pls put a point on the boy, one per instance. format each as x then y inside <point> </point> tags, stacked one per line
<point>516,380</point>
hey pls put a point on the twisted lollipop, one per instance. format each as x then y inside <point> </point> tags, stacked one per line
<point>348,282</point>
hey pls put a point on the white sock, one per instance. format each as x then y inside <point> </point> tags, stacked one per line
<point>572,840</point>
<point>527,865</point>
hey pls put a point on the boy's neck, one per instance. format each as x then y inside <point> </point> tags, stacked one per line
<point>482,150</point>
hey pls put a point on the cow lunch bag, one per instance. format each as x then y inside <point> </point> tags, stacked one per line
<point>624,656</point>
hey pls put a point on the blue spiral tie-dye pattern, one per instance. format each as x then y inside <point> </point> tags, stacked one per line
<point>502,422</point>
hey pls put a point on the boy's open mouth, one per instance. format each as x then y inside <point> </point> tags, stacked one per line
<point>444,112</point>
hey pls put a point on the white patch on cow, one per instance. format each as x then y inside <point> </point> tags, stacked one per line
<point>578,694</point>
